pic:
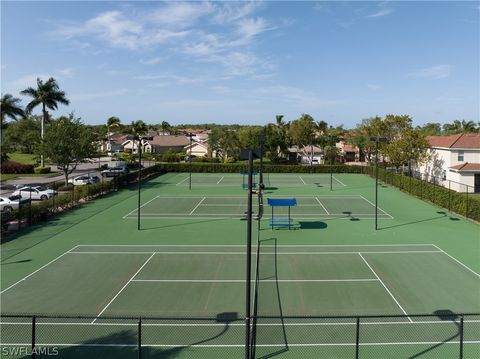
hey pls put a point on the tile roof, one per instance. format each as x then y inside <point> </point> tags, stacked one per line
<point>168,141</point>
<point>466,167</point>
<point>461,140</point>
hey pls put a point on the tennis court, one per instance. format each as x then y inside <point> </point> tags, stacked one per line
<point>202,281</point>
<point>270,180</point>
<point>329,288</point>
<point>321,206</point>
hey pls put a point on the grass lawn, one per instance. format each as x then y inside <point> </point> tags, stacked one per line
<point>9,176</point>
<point>26,158</point>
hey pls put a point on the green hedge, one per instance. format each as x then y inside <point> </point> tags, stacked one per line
<point>242,166</point>
<point>458,202</point>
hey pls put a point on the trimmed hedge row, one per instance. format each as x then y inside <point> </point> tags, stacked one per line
<point>458,202</point>
<point>15,167</point>
<point>268,168</point>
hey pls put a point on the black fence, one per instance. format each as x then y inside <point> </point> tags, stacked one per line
<point>443,334</point>
<point>67,197</point>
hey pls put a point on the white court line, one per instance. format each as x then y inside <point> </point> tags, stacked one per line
<point>391,295</point>
<point>198,204</point>
<point>253,280</point>
<point>135,209</point>
<point>242,253</point>
<point>238,345</point>
<point>220,179</point>
<point>306,324</point>
<point>53,260</point>
<point>336,179</point>
<point>301,179</point>
<point>182,181</point>
<point>321,204</point>
<point>456,260</point>
<point>121,290</point>
<point>242,245</point>
<point>377,206</point>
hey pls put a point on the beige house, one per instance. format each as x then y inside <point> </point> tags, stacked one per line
<point>200,149</point>
<point>454,162</point>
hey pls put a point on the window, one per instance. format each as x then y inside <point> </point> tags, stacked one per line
<point>460,156</point>
<point>444,175</point>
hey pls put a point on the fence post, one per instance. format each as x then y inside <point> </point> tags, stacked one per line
<point>466,205</point>
<point>461,337</point>
<point>33,337</point>
<point>357,340</point>
<point>449,196</point>
<point>140,338</point>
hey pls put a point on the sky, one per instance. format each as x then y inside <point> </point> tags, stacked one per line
<point>246,62</point>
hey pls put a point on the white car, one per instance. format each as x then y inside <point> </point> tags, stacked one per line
<point>8,204</point>
<point>37,192</point>
<point>80,180</point>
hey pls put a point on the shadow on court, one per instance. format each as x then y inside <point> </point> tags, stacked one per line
<point>124,344</point>
<point>181,224</point>
<point>312,225</point>
<point>441,215</point>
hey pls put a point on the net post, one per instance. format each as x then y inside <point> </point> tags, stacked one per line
<point>33,336</point>
<point>466,205</point>
<point>249,254</point>
<point>461,337</point>
<point>139,338</point>
<point>357,340</point>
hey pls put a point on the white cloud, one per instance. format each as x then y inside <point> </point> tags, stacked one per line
<point>229,12</point>
<point>383,10</point>
<point>171,78</point>
<point>30,80</point>
<point>433,72</point>
<point>248,28</point>
<point>96,95</point>
<point>66,72</point>
<point>374,87</point>
<point>180,14</point>
<point>152,61</point>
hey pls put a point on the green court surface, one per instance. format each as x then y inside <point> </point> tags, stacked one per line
<point>184,274</point>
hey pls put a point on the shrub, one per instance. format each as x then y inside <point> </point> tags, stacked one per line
<point>14,167</point>
<point>43,170</point>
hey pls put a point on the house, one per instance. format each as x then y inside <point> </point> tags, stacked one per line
<point>112,145</point>
<point>454,162</point>
<point>200,149</point>
<point>304,154</point>
<point>349,153</point>
<point>160,144</point>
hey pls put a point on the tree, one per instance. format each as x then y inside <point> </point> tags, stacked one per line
<point>23,135</point>
<point>49,96</point>
<point>9,107</point>
<point>66,143</point>
<point>165,127</point>
<point>136,129</point>
<point>409,148</point>
<point>430,129</point>
<point>303,134</point>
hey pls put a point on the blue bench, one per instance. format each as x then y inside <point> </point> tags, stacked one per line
<point>281,202</point>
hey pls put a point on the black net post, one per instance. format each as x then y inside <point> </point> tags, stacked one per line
<point>449,196</point>
<point>466,205</point>
<point>30,210</point>
<point>139,338</point>
<point>249,254</point>
<point>461,337</point>
<point>33,336</point>
<point>357,339</point>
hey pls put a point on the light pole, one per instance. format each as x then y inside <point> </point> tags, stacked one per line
<point>333,138</point>
<point>377,140</point>
<point>311,147</point>
<point>261,140</point>
<point>190,134</point>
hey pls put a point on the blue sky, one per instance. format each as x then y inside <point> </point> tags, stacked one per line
<point>245,62</point>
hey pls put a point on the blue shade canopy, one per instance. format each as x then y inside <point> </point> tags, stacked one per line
<point>282,202</point>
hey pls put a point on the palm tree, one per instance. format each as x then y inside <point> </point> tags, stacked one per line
<point>165,127</point>
<point>112,122</point>
<point>49,95</point>
<point>136,129</point>
<point>468,126</point>
<point>9,107</point>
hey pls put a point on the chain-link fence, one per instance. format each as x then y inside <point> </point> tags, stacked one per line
<point>443,334</point>
<point>63,198</point>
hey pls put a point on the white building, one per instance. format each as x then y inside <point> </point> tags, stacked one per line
<point>454,161</point>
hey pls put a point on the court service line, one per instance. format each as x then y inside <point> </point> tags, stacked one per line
<point>135,209</point>
<point>220,180</point>
<point>121,290</point>
<point>242,253</point>
<point>253,280</point>
<point>198,204</point>
<point>29,275</point>
<point>182,181</point>
<point>301,179</point>
<point>336,179</point>
<point>456,260</point>
<point>377,206</point>
<point>243,245</point>
<point>391,295</point>
<point>321,204</point>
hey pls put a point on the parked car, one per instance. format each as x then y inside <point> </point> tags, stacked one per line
<point>94,179</point>
<point>114,171</point>
<point>79,181</point>
<point>37,192</point>
<point>9,203</point>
